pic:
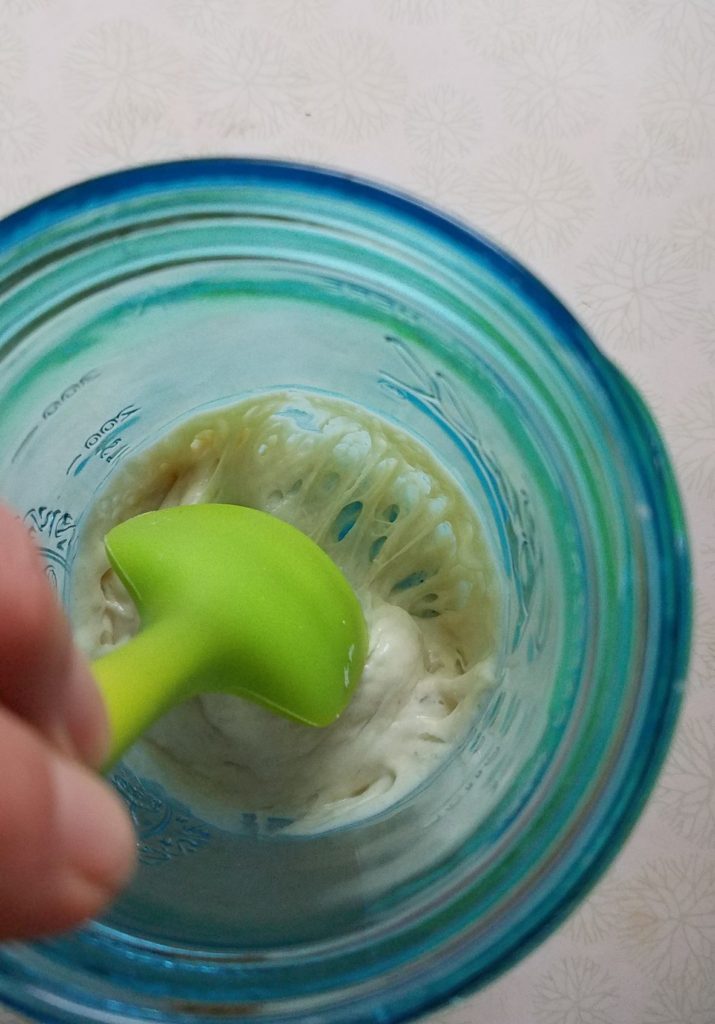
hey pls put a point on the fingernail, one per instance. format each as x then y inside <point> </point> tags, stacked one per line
<point>94,832</point>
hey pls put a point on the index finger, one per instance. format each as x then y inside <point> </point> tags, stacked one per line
<point>43,678</point>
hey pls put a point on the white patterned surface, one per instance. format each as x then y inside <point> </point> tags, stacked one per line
<point>581,133</point>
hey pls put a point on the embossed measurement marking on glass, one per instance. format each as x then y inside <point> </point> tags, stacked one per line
<point>57,403</point>
<point>107,441</point>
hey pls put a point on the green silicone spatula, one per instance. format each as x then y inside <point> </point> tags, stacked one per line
<point>234,600</point>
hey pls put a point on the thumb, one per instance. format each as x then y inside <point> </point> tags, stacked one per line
<point>66,842</point>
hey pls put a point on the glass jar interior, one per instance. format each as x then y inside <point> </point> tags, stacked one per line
<point>115,369</point>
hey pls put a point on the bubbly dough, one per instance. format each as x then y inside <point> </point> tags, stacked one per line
<point>407,540</point>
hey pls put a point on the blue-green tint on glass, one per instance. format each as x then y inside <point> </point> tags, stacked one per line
<point>415,579</point>
<point>346,519</point>
<point>376,547</point>
<point>130,301</point>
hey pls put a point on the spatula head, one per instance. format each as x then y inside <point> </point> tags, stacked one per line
<point>273,618</point>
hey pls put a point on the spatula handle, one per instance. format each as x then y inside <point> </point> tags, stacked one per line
<point>144,678</point>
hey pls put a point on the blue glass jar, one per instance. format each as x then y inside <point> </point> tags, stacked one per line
<point>132,301</point>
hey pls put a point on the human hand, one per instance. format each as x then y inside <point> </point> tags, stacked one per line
<point>66,842</point>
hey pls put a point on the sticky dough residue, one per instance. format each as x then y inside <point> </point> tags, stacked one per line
<point>402,532</point>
